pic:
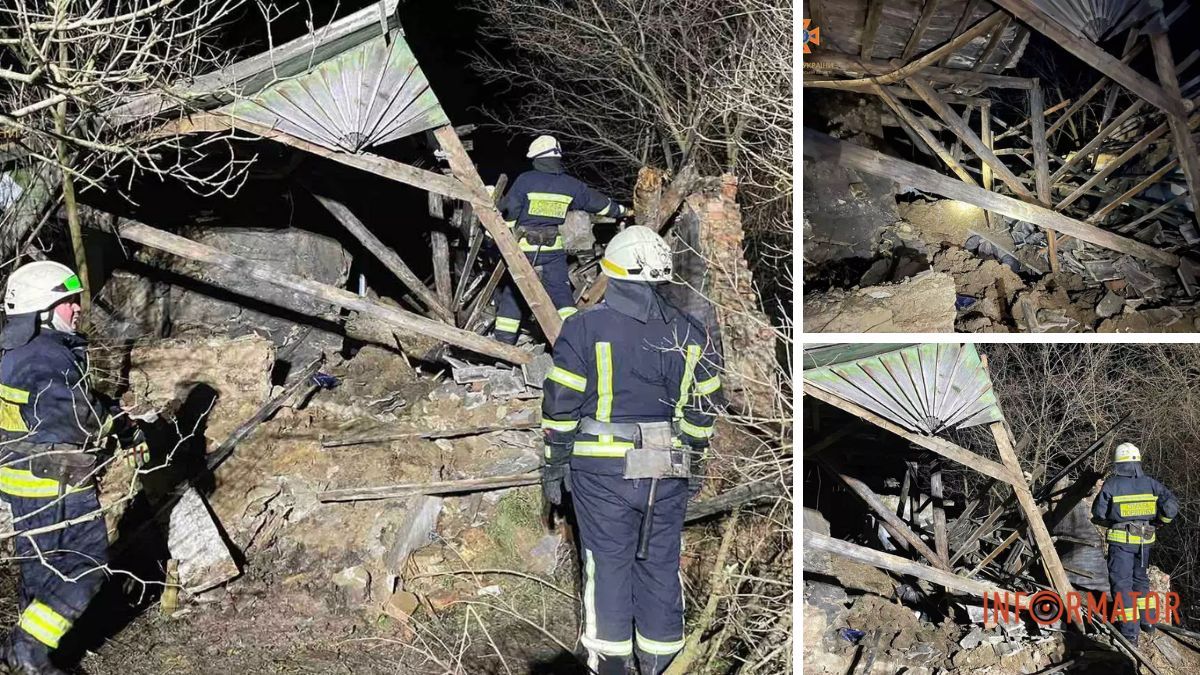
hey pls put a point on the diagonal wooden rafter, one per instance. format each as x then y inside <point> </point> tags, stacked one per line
<point>960,128</point>
<point>1091,54</point>
<point>906,116</point>
<point>1181,131</point>
<point>871,28</point>
<point>923,21</point>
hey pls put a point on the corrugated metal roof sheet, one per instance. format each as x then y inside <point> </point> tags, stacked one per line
<point>1094,18</point>
<point>368,95</point>
<point>925,388</point>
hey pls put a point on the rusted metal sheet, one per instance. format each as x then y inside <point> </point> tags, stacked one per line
<point>926,388</point>
<point>368,95</point>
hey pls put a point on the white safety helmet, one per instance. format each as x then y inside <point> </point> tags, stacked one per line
<point>544,146</point>
<point>38,286</point>
<point>1127,452</point>
<point>637,253</point>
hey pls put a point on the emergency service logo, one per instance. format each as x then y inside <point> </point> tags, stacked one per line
<point>812,36</point>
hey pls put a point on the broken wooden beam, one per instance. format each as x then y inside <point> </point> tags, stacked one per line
<point>1093,55</point>
<point>476,243</point>
<point>992,44</point>
<point>427,435</point>
<point>385,255</point>
<point>923,21</point>
<point>1095,143</point>
<point>742,495</point>
<point>894,525</point>
<point>924,134</point>
<point>941,541</point>
<point>440,247</point>
<point>815,541</point>
<point>1033,514</point>
<point>824,148</point>
<point>1119,201</point>
<point>1041,163</point>
<point>827,63</point>
<point>1181,130</point>
<point>522,273</point>
<point>444,487</point>
<point>939,445</point>
<point>402,320</point>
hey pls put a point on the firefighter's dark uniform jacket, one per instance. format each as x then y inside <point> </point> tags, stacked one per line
<point>1131,504</point>
<point>46,405</point>
<point>539,199</point>
<point>632,358</point>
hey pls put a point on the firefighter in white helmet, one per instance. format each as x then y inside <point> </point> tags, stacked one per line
<point>627,414</point>
<point>1131,505</point>
<point>50,421</point>
<point>535,206</point>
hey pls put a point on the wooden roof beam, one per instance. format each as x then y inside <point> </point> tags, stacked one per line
<point>914,39</point>
<point>1181,131</point>
<point>829,61</point>
<point>1091,54</point>
<point>824,148</point>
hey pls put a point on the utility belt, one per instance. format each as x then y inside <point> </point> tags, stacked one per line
<point>40,470</point>
<point>649,449</point>
<point>1131,533</point>
<point>535,239</point>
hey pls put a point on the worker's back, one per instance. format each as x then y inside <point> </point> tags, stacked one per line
<point>541,199</point>
<point>44,395</point>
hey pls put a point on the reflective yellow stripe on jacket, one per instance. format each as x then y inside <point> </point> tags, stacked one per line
<point>44,624</point>
<point>11,400</point>
<point>22,483</point>
<point>1123,537</point>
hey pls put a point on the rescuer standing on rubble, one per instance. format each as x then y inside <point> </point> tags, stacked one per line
<point>1130,505</point>
<point>50,424</point>
<point>627,415</point>
<point>535,206</point>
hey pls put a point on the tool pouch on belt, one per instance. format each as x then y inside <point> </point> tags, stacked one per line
<point>543,236</point>
<point>655,455</point>
<point>74,468</point>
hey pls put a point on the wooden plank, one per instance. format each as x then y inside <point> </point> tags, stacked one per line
<point>431,488</point>
<point>441,268</point>
<point>827,62</point>
<point>963,20</point>
<point>898,528</point>
<point>1132,192</point>
<point>939,445</point>
<point>686,182</point>
<point>821,147</point>
<point>387,256</point>
<point>1131,226</point>
<point>815,541</point>
<point>941,540</point>
<point>1121,160</point>
<point>1091,54</point>
<point>914,38</point>
<point>992,43</point>
<point>475,245</point>
<point>522,273</point>
<point>484,297</point>
<point>1185,148</point>
<point>365,161</point>
<point>871,28</point>
<point>1095,143</point>
<point>1015,130</point>
<point>402,320</point>
<point>1041,164</point>
<point>924,134</point>
<point>914,67</point>
<point>1033,514</point>
<point>985,135</point>
<point>964,132</point>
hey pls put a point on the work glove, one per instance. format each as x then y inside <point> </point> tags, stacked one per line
<point>556,472</point>
<point>136,452</point>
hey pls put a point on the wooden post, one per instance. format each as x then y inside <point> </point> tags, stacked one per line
<point>386,255</point>
<point>441,268</point>
<point>1041,163</point>
<point>1185,147</point>
<point>1088,52</point>
<point>910,120</point>
<point>896,527</point>
<point>985,135</point>
<point>822,147</point>
<point>960,129</point>
<point>475,244</point>
<point>815,541</point>
<point>519,268</point>
<point>250,270</point>
<point>939,445</point>
<point>941,541</point>
<point>1033,515</point>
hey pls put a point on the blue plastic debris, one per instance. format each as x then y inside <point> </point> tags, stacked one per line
<point>851,635</point>
<point>324,380</point>
<point>963,301</point>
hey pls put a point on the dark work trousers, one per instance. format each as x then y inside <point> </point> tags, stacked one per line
<point>511,309</point>
<point>1127,575</point>
<point>628,604</point>
<point>64,571</point>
